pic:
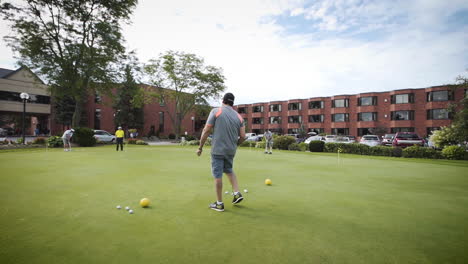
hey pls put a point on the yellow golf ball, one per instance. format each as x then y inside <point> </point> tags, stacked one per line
<point>268,182</point>
<point>144,202</point>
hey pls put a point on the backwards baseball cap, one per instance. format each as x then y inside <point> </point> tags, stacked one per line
<point>73,130</point>
<point>228,99</point>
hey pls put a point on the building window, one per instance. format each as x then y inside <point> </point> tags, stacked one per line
<point>33,98</point>
<point>257,121</point>
<point>402,115</point>
<point>402,129</point>
<point>161,122</point>
<point>340,131</point>
<point>257,109</point>
<point>293,131</point>
<point>429,130</point>
<point>316,118</point>
<point>162,101</point>
<point>97,98</point>
<point>295,119</point>
<point>242,110</point>
<point>275,108</point>
<point>402,98</point>
<point>340,118</point>
<point>438,96</point>
<point>364,131</point>
<point>438,114</point>
<point>294,106</point>
<point>315,104</point>
<point>368,100</point>
<point>316,130</point>
<point>97,119</point>
<point>275,119</point>
<point>367,116</point>
<point>246,121</point>
<point>340,103</point>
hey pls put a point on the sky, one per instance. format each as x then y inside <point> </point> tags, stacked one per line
<point>288,49</point>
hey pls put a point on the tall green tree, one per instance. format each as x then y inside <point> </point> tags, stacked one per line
<point>127,106</point>
<point>184,79</point>
<point>71,44</point>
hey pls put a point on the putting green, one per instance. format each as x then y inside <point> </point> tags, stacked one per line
<point>60,207</point>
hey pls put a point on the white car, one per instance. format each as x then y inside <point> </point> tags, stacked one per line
<point>345,140</point>
<point>313,138</point>
<point>330,138</point>
<point>103,136</point>
<point>248,135</point>
<point>370,140</point>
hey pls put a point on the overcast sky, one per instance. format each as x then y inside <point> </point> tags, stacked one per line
<point>286,49</point>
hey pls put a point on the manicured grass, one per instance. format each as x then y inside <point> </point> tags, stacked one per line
<point>58,207</point>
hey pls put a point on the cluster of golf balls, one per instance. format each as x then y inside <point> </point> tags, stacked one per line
<point>130,211</point>
<point>245,190</point>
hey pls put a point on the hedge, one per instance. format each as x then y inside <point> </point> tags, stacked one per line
<point>84,137</point>
<point>454,152</point>
<point>421,152</point>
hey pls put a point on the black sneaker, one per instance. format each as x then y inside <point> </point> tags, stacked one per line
<point>217,207</point>
<point>237,198</point>
<point>266,152</point>
<point>270,153</point>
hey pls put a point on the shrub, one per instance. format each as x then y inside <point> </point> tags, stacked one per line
<point>84,137</point>
<point>353,148</point>
<point>40,141</point>
<point>303,146</point>
<point>247,144</point>
<point>190,138</point>
<point>420,152</point>
<point>397,152</point>
<point>381,151</point>
<point>172,136</point>
<point>141,142</point>
<point>283,142</point>
<point>316,146</point>
<point>453,152</point>
<point>132,141</point>
<point>294,146</point>
<point>55,142</point>
<point>260,144</point>
<point>19,141</point>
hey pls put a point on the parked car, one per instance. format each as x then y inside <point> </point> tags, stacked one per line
<point>370,140</point>
<point>103,136</point>
<point>297,137</point>
<point>314,138</point>
<point>407,139</point>
<point>247,135</point>
<point>255,138</point>
<point>7,131</point>
<point>352,139</point>
<point>3,132</point>
<point>344,140</point>
<point>387,140</point>
<point>330,138</point>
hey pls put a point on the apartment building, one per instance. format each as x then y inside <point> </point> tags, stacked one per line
<point>419,110</point>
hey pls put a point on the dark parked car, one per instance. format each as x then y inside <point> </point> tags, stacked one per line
<point>407,139</point>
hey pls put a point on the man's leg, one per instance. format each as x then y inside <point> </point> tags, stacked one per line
<point>219,188</point>
<point>217,163</point>
<point>233,179</point>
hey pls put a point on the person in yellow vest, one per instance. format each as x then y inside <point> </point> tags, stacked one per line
<point>119,134</point>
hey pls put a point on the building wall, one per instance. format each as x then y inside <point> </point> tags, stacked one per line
<point>383,108</point>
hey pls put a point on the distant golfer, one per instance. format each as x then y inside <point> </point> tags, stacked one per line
<point>67,135</point>
<point>119,134</point>
<point>268,141</point>
<point>229,132</point>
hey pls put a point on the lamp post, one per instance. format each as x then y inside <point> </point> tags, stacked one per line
<point>25,97</point>
<point>193,125</point>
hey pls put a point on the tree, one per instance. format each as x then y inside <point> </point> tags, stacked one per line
<point>128,107</point>
<point>457,132</point>
<point>186,80</point>
<point>72,44</point>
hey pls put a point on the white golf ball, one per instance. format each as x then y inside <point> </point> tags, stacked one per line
<point>130,211</point>
<point>118,207</point>
<point>245,190</point>
<point>226,192</point>
<point>127,208</point>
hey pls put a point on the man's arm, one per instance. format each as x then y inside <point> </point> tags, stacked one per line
<point>206,132</point>
<point>241,135</point>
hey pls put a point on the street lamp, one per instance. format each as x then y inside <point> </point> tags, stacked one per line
<point>193,126</point>
<point>25,97</point>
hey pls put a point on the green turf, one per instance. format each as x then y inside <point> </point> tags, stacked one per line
<point>58,207</point>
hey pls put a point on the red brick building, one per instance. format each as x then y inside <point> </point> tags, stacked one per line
<point>417,110</point>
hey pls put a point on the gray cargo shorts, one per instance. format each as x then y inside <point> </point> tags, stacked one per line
<point>220,164</point>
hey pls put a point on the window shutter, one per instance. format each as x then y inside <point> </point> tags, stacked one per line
<point>374,116</point>
<point>359,117</point>
<point>374,100</point>
<point>333,103</point>
<point>411,97</point>
<point>333,118</point>
<point>359,101</point>
<point>411,115</point>
<point>392,99</point>
<point>346,102</point>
